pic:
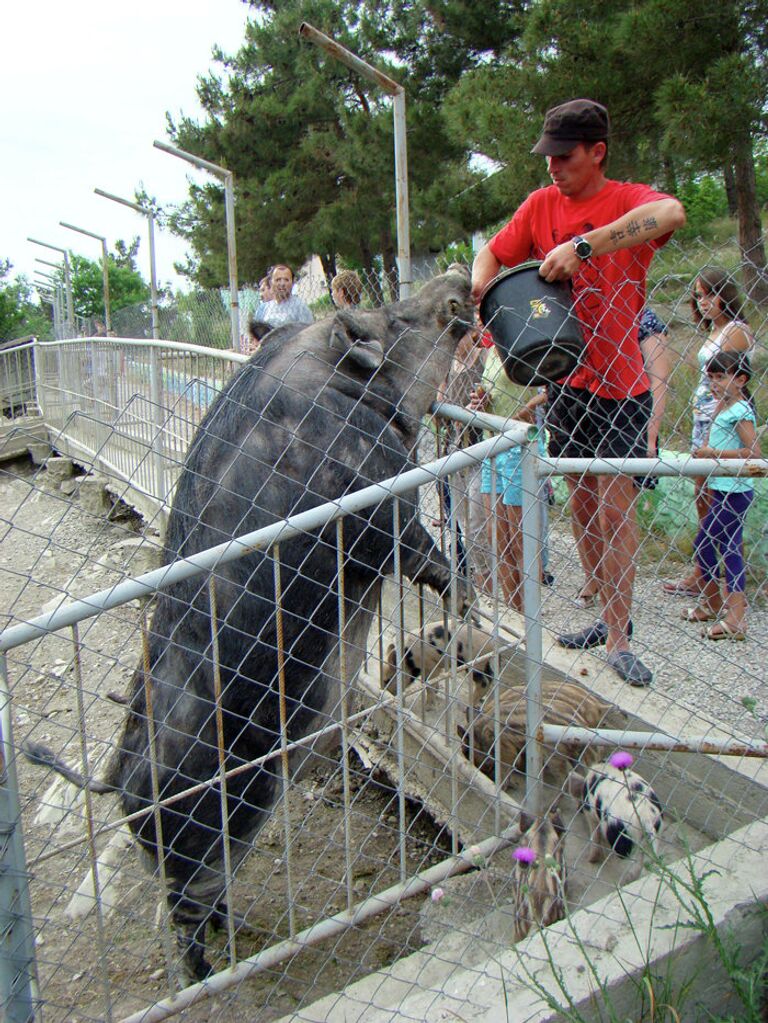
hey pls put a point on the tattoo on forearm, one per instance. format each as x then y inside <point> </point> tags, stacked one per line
<point>633,228</point>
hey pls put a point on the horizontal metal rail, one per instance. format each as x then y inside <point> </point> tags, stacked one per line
<point>649,741</point>
<point>686,466</point>
<point>225,354</point>
<point>207,561</point>
<point>325,929</point>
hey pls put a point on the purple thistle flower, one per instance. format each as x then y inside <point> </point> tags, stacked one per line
<point>621,759</point>
<point>524,854</point>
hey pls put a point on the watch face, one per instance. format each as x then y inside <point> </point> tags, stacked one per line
<point>582,247</point>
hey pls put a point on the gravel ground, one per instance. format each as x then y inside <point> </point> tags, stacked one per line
<point>710,678</point>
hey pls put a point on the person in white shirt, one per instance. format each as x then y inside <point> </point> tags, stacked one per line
<point>284,306</point>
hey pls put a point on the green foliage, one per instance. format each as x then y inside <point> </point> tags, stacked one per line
<point>19,314</point>
<point>311,142</point>
<point>126,253</point>
<point>761,172</point>
<point>458,252</point>
<point>199,318</point>
<point>704,200</point>
<point>126,285</point>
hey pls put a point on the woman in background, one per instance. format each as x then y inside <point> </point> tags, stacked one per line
<point>501,478</point>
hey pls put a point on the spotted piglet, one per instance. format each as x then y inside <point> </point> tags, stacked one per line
<point>623,810</point>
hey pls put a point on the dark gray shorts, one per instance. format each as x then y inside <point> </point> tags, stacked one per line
<point>586,425</point>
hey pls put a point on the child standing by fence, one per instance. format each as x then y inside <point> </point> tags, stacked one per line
<point>731,435</point>
<point>502,490</point>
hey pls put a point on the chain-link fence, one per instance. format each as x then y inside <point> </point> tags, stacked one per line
<point>315,744</point>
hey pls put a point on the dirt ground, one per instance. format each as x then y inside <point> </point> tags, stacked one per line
<point>51,546</point>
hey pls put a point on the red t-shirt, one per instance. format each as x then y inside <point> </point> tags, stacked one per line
<point>608,291</point>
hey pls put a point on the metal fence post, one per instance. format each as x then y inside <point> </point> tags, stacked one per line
<point>18,984</point>
<point>158,422</point>
<point>35,373</point>
<point>531,526</point>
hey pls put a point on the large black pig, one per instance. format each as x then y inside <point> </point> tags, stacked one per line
<point>319,411</point>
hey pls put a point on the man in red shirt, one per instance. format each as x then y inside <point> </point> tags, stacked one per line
<point>602,234</point>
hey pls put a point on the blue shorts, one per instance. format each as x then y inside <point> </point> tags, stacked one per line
<point>513,476</point>
<point>513,479</point>
<point>485,473</point>
<point>509,475</point>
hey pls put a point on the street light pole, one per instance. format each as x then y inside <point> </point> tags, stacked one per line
<point>104,267</point>
<point>345,56</point>
<point>229,217</point>
<point>67,282</point>
<point>53,284</point>
<point>59,316</point>
<point>145,212</point>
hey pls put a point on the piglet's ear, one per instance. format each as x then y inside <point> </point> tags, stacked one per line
<point>367,354</point>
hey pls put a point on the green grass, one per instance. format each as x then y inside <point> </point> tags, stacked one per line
<point>664,990</point>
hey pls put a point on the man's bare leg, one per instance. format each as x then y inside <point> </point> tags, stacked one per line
<point>585,523</point>
<point>618,527</point>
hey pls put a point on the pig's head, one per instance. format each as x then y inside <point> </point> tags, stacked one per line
<point>405,349</point>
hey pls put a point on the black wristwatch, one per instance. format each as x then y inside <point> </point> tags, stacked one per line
<point>581,247</point>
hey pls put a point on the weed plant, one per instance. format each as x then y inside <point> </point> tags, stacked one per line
<point>662,995</point>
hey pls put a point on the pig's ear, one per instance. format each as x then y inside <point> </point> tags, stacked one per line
<point>454,307</point>
<point>364,352</point>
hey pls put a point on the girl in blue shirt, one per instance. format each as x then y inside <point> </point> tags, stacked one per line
<point>731,435</point>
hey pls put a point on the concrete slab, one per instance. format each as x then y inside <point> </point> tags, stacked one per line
<point>17,435</point>
<point>480,979</point>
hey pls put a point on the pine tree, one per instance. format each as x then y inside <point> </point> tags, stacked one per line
<point>311,147</point>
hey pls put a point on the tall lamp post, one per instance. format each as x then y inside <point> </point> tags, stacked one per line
<point>49,290</point>
<point>59,318</point>
<point>104,268</point>
<point>397,92</point>
<point>145,212</point>
<point>229,215</point>
<point>67,282</point>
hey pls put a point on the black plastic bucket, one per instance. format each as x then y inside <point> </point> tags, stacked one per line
<point>532,324</point>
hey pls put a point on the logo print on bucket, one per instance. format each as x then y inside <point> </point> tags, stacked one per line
<point>539,308</point>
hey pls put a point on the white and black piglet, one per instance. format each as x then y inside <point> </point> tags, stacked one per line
<point>623,811</point>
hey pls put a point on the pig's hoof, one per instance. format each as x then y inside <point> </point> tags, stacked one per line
<point>218,919</point>
<point>196,968</point>
<point>193,962</point>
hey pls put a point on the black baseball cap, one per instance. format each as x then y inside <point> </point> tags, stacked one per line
<point>565,126</point>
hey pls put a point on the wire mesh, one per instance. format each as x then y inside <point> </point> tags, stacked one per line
<point>397,765</point>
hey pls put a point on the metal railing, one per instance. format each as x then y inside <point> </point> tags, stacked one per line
<point>18,390</point>
<point>129,409</point>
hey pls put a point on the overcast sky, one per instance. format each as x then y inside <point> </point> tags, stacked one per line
<point>86,86</point>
